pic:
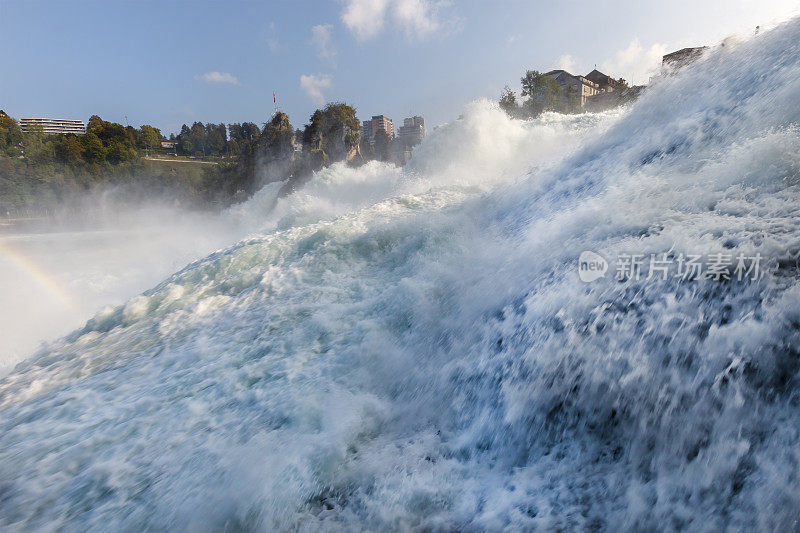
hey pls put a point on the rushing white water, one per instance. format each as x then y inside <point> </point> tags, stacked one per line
<point>413,349</point>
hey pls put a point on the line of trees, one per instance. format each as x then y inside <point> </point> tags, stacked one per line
<point>104,143</point>
<point>35,167</point>
<point>38,170</point>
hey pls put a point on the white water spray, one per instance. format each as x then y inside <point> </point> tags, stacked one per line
<point>414,349</point>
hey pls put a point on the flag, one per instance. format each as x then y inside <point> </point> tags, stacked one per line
<point>274,101</point>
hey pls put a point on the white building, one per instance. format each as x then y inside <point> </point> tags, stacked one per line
<point>378,123</point>
<point>412,131</point>
<point>583,87</point>
<point>54,126</point>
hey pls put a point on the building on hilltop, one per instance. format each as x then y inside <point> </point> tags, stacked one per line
<point>412,131</point>
<point>54,126</point>
<point>606,83</point>
<point>682,57</point>
<point>583,87</point>
<point>378,123</point>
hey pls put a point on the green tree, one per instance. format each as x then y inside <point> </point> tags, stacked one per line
<point>532,82</point>
<point>93,149</point>
<point>150,138</point>
<point>233,148</point>
<point>68,150</point>
<point>10,135</point>
<point>544,92</point>
<point>216,137</point>
<point>508,102</point>
<point>35,148</point>
<point>118,152</point>
<point>185,141</point>
<point>198,136</point>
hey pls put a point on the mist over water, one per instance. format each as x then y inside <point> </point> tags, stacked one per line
<point>397,348</point>
<point>55,274</point>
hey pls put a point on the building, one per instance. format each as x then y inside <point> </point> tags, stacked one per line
<point>606,83</point>
<point>682,57</point>
<point>583,87</point>
<point>378,123</point>
<point>54,126</point>
<point>168,145</point>
<point>412,131</point>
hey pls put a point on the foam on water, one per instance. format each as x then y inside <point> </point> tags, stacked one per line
<point>413,348</point>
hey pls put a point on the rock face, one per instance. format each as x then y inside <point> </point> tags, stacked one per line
<point>275,150</point>
<point>334,130</point>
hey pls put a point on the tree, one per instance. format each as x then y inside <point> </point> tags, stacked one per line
<point>544,92</point>
<point>150,137</point>
<point>198,136</point>
<point>217,138</point>
<point>508,102</point>
<point>571,100</point>
<point>119,152</point>
<point>36,150</point>
<point>551,95</point>
<point>532,82</point>
<point>93,149</point>
<point>68,150</point>
<point>118,142</point>
<point>185,142</point>
<point>233,148</point>
<point>10,135</point>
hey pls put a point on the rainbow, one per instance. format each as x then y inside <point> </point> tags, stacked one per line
<point>40,276</point>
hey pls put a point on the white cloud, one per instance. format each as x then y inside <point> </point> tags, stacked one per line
<point>568,63</point>
<point>321,39</point>
<point>217,77</point>
<point>313,85</point>
<point>364,18</point>
<point>635,63</point>
<point>417,18</point>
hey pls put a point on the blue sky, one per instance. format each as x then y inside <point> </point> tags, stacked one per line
<point>173,62</point>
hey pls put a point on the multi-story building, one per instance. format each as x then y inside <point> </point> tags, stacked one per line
<point>412,131</point>
<point>606,83</point>
<point>53,126</point>
<point>583,87</point>
<point>378,123</point>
